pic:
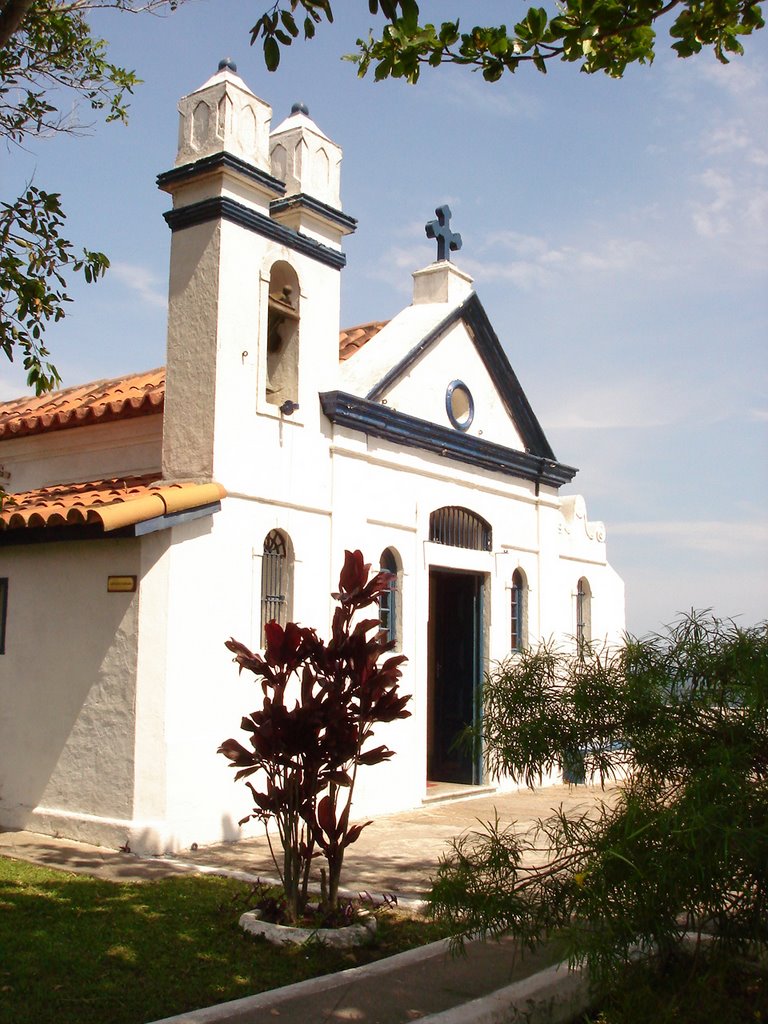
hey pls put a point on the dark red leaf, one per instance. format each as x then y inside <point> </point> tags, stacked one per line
<point>235,753</point>
<point>326,817</point>
<point>353,834</point>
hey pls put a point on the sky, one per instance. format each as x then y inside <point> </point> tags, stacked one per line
<point>616,231</point>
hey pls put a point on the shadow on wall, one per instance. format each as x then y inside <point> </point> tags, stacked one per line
<point>67,682</point>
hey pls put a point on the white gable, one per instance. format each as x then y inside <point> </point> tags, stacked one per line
<point>360,374</point>
<point>421,391</point>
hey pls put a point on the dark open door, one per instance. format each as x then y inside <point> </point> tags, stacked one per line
<point>455,611</point>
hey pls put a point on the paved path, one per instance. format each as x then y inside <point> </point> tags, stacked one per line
<point>397,854</point>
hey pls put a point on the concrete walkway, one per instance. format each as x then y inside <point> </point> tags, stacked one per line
<point>397,854</point>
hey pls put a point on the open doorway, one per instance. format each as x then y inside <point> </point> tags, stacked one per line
<point>455,674</point>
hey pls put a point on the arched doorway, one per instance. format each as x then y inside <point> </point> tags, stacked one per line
<point>455,649</point>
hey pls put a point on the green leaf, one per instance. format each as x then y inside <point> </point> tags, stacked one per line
<point>271,54</point>
<point>289,23</point>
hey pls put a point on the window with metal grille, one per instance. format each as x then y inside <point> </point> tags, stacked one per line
<point>274,580</point>
<point>459,528</point>
<point>517,600</point>
<point>583,612</point>
<point>388,609</point>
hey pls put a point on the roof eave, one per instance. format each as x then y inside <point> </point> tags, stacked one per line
<point>376,420</point>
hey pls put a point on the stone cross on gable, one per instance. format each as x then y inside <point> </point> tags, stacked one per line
<point>440,229</point>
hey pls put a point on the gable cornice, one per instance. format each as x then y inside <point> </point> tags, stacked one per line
<point>376,420</point>
<point>489,348</point>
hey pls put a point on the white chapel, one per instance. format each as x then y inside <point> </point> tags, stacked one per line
<point>149,519</point>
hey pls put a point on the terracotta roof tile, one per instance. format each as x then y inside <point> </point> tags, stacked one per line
<point>104,400</point>
<point>139,394</point>
<point>111,503</point>
<point>352,339</point>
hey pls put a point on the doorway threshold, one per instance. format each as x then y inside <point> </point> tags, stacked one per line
<point>442,792</point>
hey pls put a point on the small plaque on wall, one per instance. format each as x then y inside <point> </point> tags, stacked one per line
<point>121,584</point>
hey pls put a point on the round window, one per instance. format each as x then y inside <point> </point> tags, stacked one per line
<point>459,405</point>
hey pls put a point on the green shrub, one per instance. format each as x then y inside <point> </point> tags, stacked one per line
<point>681,719</point>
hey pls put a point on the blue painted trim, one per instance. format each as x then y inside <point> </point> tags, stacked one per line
<point>330,213</point>
<point>454,386</point>
<point>489,348</point>
<point>399,428</point>
<point>187,172</point>
<point>221,207</point>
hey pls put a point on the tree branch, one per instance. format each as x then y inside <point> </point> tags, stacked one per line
<point>11,17</point>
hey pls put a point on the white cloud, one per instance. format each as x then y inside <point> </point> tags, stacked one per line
<point>397,264</point>
<point>149,288</point>
<point>536,262</point>
<point>736,137</point>
<point>739,78</point>
<point>721,537</point>
<point>634,402</point>
<point>715,216</point>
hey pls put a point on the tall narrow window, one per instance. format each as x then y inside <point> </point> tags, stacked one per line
<point>517,602</point>
<point>388,610</point>
<point>3,610</point>
<point>283,336</point>
<point>275,580</point>
<point>583,612</point>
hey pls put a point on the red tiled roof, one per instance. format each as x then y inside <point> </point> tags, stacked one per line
<point>84,404</point>
<point>352,339</point>
<point>111,503</point>
<point>139,394</point>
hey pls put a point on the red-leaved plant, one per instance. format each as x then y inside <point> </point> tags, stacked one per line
<point>320,705</point>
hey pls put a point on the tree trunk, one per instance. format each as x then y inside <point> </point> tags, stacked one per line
<point>11,17</point>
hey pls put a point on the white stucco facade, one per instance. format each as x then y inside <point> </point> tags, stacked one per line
<point>112,705</point>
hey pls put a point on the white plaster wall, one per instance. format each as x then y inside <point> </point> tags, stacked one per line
<point>188,421</point>
<point>149,823</point>
<point>67,690</point>
<point>421,391</point>
<point>390,346</point>
<point>245,423</point>
<point>218,422</point>
<point>201,584</point>
<point>214,581</point>
<point>80,454</point>
<point>396,514</point>
<point>306,160</point>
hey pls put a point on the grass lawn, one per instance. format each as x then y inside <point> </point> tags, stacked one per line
<point>78,950</point>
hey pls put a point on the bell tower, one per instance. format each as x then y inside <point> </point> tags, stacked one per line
<point>253,313</point>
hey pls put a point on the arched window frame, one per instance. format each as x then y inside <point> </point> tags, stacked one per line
<point>460,527</point>
<point>389,600</point>
<point>583,611</point>
<point>283,330</point>
<point>518,601</point>
<point>276,579</point>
